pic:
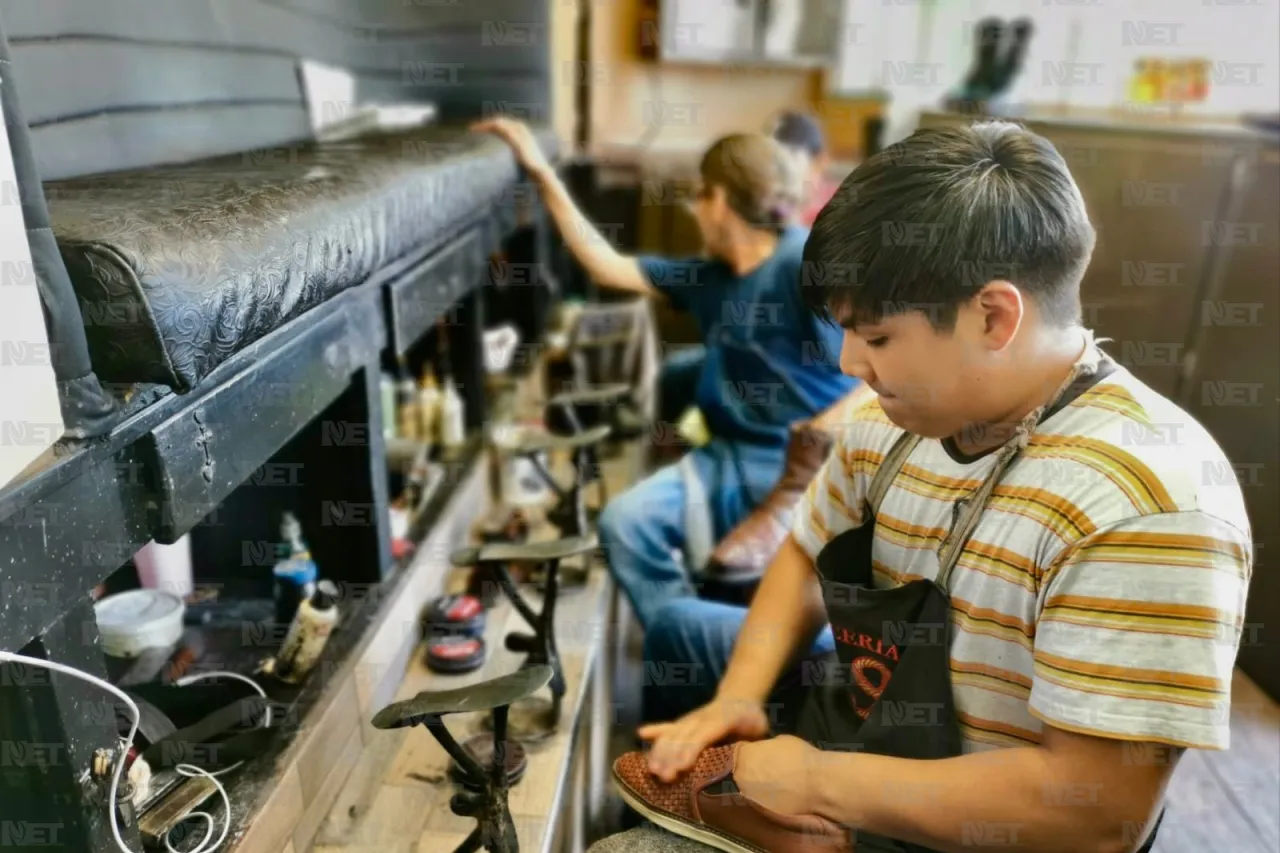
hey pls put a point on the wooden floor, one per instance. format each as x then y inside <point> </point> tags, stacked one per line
<point>1230,801</point>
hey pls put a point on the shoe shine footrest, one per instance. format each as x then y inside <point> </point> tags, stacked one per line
<point>534,442</point>
<point>484,796</point>
<point>499,692</point>
<point>508,552</point>
<point>590,396</point>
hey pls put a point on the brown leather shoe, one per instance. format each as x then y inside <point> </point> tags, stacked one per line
<point>696,806</point>
<point>743,555</point>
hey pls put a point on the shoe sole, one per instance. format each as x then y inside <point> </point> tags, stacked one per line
<point>681,827</point>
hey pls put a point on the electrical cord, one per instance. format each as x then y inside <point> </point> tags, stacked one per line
<point>204,676</point>
<point>182,769</point>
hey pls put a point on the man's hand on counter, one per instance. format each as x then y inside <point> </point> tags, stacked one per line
<point>517,134</point>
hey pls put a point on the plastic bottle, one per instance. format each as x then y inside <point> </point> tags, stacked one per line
<point>295,573</point>
<point>453,423</point>
<point>308,633</point>
<point>428,406</point>
<point>387,387</point>
<point>407,398</point>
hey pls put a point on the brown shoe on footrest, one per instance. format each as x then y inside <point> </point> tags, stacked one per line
<point>743,555</point>
<point>705,805</point>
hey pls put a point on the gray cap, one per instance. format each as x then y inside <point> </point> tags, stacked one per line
<point>799,130</point>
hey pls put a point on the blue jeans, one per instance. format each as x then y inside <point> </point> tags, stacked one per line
<point>642,530</point>
<point>686,651</point>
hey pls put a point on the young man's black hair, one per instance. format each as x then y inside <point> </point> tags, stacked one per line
<point>925,223</point>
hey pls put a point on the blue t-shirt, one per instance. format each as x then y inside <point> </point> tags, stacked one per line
<point>770,361</point>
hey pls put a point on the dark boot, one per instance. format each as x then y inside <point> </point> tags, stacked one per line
<point>743,555</point>
<point>977,84</point>
<point>1014,55</point>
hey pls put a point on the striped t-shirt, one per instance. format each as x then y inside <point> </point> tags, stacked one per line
<point>1103,589</point>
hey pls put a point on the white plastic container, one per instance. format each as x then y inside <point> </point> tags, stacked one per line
<point>520,482</point>
<point>132,622</point>
<point>453,428</point>
<point>166,567</point>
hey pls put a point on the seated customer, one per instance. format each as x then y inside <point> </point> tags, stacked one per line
<point>769,361</point>
<point>1033,587</point>
<point>802,134</point>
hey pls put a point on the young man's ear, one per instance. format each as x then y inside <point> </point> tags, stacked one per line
<point>1001,310</point>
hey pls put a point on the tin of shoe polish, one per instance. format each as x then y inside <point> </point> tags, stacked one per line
<point>454,655</point>
<point>454,616</point>
<point>480,748</point>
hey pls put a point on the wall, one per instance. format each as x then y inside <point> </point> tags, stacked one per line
<point>1081,55</point>
<point>678,106</point>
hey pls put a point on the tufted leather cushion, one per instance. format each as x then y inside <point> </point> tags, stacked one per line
<point>178,267</point>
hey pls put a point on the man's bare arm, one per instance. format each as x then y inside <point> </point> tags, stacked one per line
<point>785,616</point>
<point>1074,793</point>
<point>606,265</point>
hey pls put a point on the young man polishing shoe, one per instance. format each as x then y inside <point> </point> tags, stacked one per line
<point>1035,595</point>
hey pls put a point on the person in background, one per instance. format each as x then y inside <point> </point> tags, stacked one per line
<point>769,363</point>
<point>802,138</point>
<point>801,134</point>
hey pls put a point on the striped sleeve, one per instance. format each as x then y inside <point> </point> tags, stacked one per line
<point>833,502</point>
<point>1138,629</point>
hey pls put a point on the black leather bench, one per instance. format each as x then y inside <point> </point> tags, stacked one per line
<point>177,268</point>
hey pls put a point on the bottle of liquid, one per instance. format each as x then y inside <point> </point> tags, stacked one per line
<point>390,417</point>
<point>452,417</point>
<point>428,406</point>
<point>308,633</point>
<point>294,573</point>
<point>453,422</point>
<point>407,394</point>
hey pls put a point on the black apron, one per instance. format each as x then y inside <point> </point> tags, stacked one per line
<point>888,691</point>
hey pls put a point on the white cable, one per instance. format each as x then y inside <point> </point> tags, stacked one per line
<point>266,717</point>
<point>182,769</point>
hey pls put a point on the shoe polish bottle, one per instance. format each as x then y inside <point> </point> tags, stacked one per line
<point>308,634</point>
<point>428,406</point>
<point>407,392</point>
<point>390,417</point>
<point>453,422</point>
<point>294,574</point>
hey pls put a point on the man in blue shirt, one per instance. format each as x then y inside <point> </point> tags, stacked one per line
<point>769,362</point>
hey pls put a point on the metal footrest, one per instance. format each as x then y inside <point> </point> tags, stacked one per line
<point>524,552</point>
<point>485,797</point>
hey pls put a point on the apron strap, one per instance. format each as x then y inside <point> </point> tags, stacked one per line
<point>888,470</point>
<point>970,508</point>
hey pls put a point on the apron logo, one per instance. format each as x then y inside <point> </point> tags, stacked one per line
<point>863,668</point>
<point>870,674</point>
<point>865,641</point>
